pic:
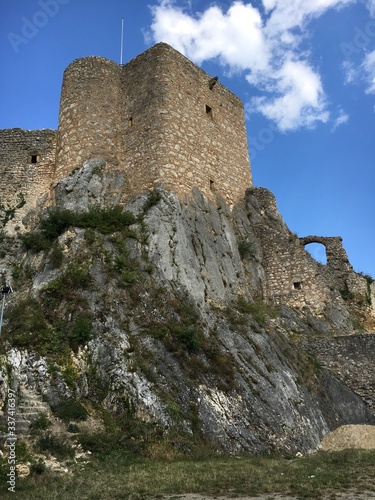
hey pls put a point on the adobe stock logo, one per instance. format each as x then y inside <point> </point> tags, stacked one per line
<point>264,137</point>
<point>361,40</point>
<point>30,27</point>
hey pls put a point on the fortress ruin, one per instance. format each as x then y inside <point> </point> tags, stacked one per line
<point>161,121</point>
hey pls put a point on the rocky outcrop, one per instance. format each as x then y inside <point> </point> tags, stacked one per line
<point>173,314</point>
<point>87,186</point>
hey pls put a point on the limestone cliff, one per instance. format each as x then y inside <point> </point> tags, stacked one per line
<point>180,310</point>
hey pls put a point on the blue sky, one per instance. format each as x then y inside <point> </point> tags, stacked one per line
<point>305,70</point>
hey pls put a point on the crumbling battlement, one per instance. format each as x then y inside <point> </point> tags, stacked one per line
<point>336,255</point>
<point>294,277</point>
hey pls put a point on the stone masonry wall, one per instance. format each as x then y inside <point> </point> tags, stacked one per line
<point>293,276</point>
<point>159,120</point>
<point>350,358</point>
<point>296,279</point>
<point>90,118</point>
<point>182,131</point>
<point>27,162</point>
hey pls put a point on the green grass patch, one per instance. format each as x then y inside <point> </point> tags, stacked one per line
<point>7,211</point>
<point>74,277</point>
<point>117,475</point>
<point>54,445</point>
<point>180,328</point>
<point>245,250</point>
<point>126,267</point>
<point>153,199</point>
<point>41,423</point>
<point>369,281</point>
<point>259,310</point>
<point>35,325</point>
<point>71,409</point>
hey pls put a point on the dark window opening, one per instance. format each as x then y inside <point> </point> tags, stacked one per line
<point>34,159</point>
<point>131,123</point>
<point>209,111</point>
<point>212,185</point>
<point>297,285</point>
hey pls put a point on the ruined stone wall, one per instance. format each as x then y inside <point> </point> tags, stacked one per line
<point>27,162</point>
<point>90,118</point>
<point>338,267</point>
<point>293,276</point>
<point>182,131</point>
<point>296,279</point>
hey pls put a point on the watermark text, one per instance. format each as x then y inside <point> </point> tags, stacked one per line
<point>361,40</point>
<point>11,440</point>
<point>31,26</point>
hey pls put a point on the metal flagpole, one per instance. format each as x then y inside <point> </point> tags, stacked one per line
<point>122,40</point>
<point>2,312</point>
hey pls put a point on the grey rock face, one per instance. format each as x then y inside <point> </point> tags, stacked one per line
<point>191,336</point>
<point>196,246</point>
<point>90,186</point>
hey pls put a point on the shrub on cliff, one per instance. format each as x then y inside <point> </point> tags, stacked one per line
<point>105,220</point>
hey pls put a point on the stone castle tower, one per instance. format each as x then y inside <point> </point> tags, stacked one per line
<point>159,119</point>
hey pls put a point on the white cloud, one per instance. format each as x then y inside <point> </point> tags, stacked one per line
<point>350,72</point>
<point>289,14</point>
<point>369,68</point>
<point>340,119</point>
<point>236,38</point>
<point>371,7</point>
<point>364,74</point>
<point>263,44</point>
<point>299,100</point>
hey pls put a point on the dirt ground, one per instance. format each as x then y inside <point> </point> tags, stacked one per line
<point>347,495</point>
<point>350,495</point>
<point>350,437</point>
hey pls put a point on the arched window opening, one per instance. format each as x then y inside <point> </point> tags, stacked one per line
<point>317,252</point>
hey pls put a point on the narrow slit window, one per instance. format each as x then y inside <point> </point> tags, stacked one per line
<point>212,185</point>
<point>208,111</point>
<point>34,159</point>
<point>131,123</point>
